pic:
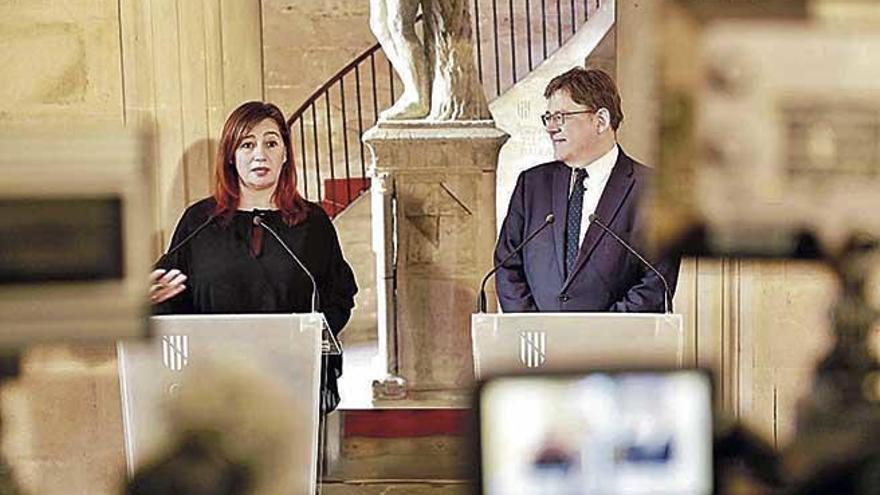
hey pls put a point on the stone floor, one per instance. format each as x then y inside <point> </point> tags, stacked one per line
<point>418,445</point>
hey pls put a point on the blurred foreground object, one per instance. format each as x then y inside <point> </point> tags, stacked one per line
<point>836,449</point>
<point>769,130</point>
<point>234,431</point>
<point>74,234</point>
<point>622,432</point>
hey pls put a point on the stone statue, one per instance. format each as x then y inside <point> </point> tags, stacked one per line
<point>439,76</point>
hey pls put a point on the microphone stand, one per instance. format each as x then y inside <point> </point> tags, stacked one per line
<point>330,345</point>
<point>186,239</point>
<point>481,297</point>
<point>667,298</point>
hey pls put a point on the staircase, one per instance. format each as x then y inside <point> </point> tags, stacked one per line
<point>424,444</point>
<point>339,193</point>
<point>513,38</point>
<point>408,447</point>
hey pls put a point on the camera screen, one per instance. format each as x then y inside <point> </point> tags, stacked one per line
<point>60,239</point>
<point>604,433</point>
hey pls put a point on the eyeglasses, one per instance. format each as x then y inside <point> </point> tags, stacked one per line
<point>558,118</point>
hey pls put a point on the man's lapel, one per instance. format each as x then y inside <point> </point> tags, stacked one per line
<point>559,201</point>
<point>619,185</point>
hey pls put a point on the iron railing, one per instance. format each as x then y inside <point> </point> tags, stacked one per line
<point>512,38</point>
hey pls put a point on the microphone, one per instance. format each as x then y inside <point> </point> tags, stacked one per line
<point>481,298</point>
<point>186,239</point>
<point>258,221</point>
<point>334,347</point>
<point>667,296</point>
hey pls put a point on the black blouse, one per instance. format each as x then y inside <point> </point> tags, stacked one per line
<point>234,266</point>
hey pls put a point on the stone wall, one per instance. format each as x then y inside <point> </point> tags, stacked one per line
<point>60,64</point>
<point>62,421</point>
<point>306,43</point>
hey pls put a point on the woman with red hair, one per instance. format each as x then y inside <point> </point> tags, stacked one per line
<point>222,261</point>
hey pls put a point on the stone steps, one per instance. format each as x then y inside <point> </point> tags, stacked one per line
<point>339,193</point>
<point>424,448</point>
<point>399,487</point>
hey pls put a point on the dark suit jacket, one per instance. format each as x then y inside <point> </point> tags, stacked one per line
<point>606,276</point>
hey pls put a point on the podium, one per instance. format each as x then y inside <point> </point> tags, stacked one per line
<point>286,347</point>
<point>537,342</point>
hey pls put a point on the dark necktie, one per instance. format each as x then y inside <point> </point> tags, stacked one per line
<point>573,216</point>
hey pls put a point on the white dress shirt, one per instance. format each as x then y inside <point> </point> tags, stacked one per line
<point>598,173</point>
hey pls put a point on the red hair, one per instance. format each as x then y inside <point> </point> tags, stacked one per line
<point>227,187</point>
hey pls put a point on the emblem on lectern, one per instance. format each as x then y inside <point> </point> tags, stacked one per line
<point>532,348</point>
<point>175,351</point>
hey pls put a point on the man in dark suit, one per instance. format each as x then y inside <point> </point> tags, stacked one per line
<point>574,265</point>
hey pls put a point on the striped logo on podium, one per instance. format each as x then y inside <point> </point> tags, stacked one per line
<point>175,351</point>
<point>533,348</point>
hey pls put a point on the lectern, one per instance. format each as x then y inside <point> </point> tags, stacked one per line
<point>287,346</point>
<point>535,342</point>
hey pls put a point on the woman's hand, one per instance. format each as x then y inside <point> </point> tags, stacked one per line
<point>165,284</point>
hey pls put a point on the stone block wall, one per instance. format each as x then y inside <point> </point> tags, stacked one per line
<point>305,43</point>
<point>62,421</point>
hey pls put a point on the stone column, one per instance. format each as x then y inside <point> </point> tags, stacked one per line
<point>439,196</point>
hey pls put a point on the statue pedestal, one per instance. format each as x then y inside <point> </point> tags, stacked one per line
<point>433,234</point>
